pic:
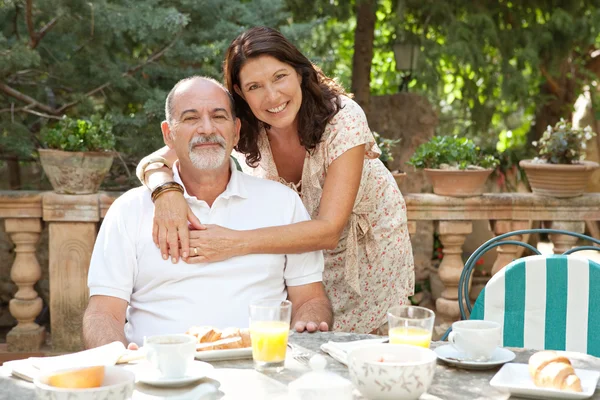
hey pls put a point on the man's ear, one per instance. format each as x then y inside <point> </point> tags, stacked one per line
<point>238,126</point>
<point>167,134</point>
<point>239,91</point>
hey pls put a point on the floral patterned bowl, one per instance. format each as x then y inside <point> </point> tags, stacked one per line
<point>391,371</point>
<point>118,385</point>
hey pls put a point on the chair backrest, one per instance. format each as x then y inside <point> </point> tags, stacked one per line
<point>545,302</point>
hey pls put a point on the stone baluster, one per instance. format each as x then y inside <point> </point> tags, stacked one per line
<point>509,252</point>
<point>72,223</point>
<point>563,243</point>
<point>26,304</point>
<point>452,235</point>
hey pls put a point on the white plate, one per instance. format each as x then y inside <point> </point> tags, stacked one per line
<point>515,379</point>
<point>146,373</point>
<point>451,355</point>
<point>224,355</point>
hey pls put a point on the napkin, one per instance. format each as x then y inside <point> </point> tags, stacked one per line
<point>30,368</point>
<point>339,350</point>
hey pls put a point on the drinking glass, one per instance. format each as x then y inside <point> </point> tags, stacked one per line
<point>410,325</point>
<point>269,328</point>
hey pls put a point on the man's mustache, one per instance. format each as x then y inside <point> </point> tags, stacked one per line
<point>215,139</point>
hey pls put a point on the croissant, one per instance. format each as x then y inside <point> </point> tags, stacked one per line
<point>207,334</point>
<point>551,370</point>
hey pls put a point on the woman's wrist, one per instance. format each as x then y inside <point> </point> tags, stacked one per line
<point>157,177</point>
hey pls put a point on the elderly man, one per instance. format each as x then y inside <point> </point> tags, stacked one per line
<point>136,293</point>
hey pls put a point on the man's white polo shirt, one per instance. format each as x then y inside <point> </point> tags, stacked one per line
<point>169,298</point>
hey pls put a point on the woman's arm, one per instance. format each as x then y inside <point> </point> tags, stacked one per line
<point>155,174</point>
<point>339,194</point>
<point>171,211</point>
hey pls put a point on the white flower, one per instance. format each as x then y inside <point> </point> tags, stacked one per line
<point>549,129</point>
<point>583,145</point>
<point>534,143</point>
<point>587,129</point>
<point>572,151</point>
<point>588,135</point>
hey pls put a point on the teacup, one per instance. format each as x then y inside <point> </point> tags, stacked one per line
<point>476,339</point>
<point>170,354</point>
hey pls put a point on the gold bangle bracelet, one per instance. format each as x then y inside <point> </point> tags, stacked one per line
<point>166,187</point>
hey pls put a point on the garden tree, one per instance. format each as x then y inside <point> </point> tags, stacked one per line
<point>114,57</point>
<point>496,70</point>
<point>335,38</point>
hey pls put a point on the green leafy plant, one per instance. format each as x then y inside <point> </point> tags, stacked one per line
<point>385,145</point>
<point>563,144</point>
<point>451,152</point>
<point>90,134</point>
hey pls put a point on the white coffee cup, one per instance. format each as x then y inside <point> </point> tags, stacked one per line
<point>476,339</point>
<point>171,354</point>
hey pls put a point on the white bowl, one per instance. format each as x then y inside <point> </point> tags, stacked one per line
<point>118,384</point>
<point>405,373</point>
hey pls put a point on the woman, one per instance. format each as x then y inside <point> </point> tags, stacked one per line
<point>300,128</point>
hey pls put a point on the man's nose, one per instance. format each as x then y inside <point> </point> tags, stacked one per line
<point>205,125</point>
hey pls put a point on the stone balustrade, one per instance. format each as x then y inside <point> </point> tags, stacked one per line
<point>73,223</point>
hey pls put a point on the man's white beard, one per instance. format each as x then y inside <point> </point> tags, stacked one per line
<point>208,158</point>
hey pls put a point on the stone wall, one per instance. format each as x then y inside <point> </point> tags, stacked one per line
<point>410,118</point>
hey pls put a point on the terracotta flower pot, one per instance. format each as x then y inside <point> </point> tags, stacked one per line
<point>75,172</point>
<point>457,183</point>
<point>399,177</point>
<point>558,180</point>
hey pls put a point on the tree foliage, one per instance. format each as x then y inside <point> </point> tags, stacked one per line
<point>113,57</point>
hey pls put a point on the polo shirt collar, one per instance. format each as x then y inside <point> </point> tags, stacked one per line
<point>235,186</point>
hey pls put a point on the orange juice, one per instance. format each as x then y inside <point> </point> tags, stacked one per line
<point>269,340</point>
<point>410,335</point>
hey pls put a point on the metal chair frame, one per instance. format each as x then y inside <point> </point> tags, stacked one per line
<point>467,272</point>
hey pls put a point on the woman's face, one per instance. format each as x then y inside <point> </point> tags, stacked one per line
<point>272,90</point>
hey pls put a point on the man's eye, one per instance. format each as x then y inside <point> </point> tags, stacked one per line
<point>280,76</point>
<point>190,118</point>
<point>220,117</point>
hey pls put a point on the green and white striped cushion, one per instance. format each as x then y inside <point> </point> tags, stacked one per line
<point>545,302</point>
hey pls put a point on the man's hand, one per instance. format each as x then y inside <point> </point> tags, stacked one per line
<point>310,326</point>
<point>132,346</point>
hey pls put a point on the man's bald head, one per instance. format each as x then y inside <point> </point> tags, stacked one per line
<point>170,97</point>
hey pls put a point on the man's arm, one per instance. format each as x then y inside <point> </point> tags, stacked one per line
<point>311,309</point>
<point>104,321</point>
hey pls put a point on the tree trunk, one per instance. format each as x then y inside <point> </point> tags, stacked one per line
<point>559,95</point>
<point>14,173</point>
<point>362,59</point>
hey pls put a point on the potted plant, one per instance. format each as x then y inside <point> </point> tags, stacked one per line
<point>560,170</point>
<point>454,166</point>
<point>78,154</point>
<point>386,146</point>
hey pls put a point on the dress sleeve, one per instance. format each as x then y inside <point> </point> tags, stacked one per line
<point>347,129</point>
<point>113,264</point>
<point>302,268</point>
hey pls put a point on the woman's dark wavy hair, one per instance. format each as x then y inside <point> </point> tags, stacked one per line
<point>320,94</point>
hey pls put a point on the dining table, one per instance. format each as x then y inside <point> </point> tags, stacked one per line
<point>237,379</point>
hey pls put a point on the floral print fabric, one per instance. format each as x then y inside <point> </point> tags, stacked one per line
<point>372,267</point>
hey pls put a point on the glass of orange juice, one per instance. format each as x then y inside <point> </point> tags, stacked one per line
<point>269,328</point>
<point>410,325</point>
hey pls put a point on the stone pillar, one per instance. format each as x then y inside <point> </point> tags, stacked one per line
<point>73,226</point>
<point>452,236</point>
<point>26,304</point>
<point>563,243</point>
<point>507,253</point>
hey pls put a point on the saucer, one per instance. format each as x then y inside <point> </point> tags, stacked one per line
<point>452,356</point>
<point>146,373</point>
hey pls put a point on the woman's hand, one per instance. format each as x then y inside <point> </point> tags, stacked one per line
<point>214,243</point>
<point>170,228</point>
